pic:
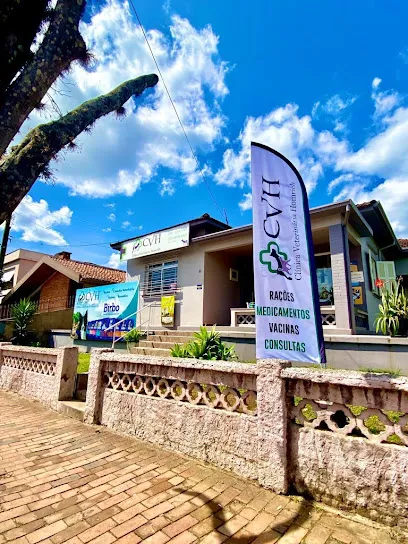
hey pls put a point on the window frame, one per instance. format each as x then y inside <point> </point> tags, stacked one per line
<point>162,286</point>
<point>386,277</point>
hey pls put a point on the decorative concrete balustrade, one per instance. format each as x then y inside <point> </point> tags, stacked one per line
<point>337,436</point>
<point>347,440</point>
<point>206,409</point>
<point>45,374</point>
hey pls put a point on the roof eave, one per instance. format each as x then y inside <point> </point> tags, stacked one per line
<point>49,261</point>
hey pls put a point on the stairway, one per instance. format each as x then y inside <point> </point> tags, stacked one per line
<point>72,408</point>
<point>159,342</point>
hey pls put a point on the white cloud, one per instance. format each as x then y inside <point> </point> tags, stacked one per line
<point>167,187</point>
<point>246,202</point>
<point>376,170</point>
<point>107,229</point>
<point>121,155</point>
<point>385,154</point>
<point>344,178</point>
<point>130,212</point>
<point>282,129</point>
<point>115,262</point>
<point>126,224</point>
<point>392,193</point>
<point>384,102</point>
<point>339,126</point>
<point>334,105</point>
<point>376,82</point>
<point>112,217</point>
<point>335,110</point>
<point>35,221</point>
<point>110,205</point>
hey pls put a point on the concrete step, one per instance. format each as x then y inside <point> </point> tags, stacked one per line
<point>173,332</point>
<point>168,339</point>
<point>72,408</point>
<point>157,344</point>
<point>150,351</point>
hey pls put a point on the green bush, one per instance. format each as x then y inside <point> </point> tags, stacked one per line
<point>83,362</point>
<point>392,317</point>
<point>133,336</point>
<point>22,313</point>
<point>207,345</point>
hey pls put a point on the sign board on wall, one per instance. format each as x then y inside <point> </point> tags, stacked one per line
<point>157,242</point>
<point>167,311</point>
<point>358,295</point>
<point>288,320</point>
<point>99,308</point>
<point>357,277</point>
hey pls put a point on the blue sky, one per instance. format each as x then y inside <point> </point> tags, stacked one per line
<point>322,82</point>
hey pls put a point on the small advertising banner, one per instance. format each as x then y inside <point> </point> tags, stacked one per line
<point>99,308</point>
<point>157,242</point>
<point>288,319</point>
<point>358,295</point>
<point>167,311</point>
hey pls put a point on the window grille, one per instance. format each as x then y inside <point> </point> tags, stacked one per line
<point>160,278</point>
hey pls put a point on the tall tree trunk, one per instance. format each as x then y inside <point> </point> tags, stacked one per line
<point>20,21</point>
<point>61,45</point>
<point>6,234</point>
<point>26,162</point>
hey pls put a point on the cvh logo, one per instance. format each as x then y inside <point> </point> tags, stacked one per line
<point>276,260</point>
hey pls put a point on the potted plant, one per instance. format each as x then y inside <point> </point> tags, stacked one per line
<point>22,313</point>
<point>132,338</point>
<point>392,317</point>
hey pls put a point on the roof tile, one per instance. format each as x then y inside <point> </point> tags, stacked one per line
<point>96,272</point>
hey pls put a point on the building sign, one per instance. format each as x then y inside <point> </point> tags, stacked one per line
<point>167,311</point>
<point>288,320</point>
<point>358,295</point>
<point>357,277</point>
<point>157,242</point>
<point>99,308</point>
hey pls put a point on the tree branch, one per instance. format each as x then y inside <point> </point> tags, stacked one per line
<point>62,44</point>
<point>19,24</point>
<point>27,160</point>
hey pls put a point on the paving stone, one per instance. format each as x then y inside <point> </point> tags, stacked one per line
<point>179,526</point>
<point>294,535</point>
<point>152,527</point>
<point>128,526</point>
<point>233,525</point>
<point>72,485</point>
<point>318,535</point>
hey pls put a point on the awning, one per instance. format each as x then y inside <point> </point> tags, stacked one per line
<point>8,276</point>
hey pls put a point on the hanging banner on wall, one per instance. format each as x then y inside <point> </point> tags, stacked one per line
<point>157,242</point>
<point>99,308</point>
<point>167,311</point>
<point>288,320</point>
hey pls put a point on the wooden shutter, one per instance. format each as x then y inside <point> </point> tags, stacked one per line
<point>373,274</point>
<point>386,272</point>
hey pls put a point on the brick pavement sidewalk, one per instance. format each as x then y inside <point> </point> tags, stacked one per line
<point>64,482</point>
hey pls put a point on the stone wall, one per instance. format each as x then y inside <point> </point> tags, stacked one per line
<point>348,440</point>
<point>203,409</point>
<point>44,374</point>
<point>337,436</point>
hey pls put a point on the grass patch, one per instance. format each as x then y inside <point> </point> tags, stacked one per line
<point>394,373</point>
<point>83,362</point>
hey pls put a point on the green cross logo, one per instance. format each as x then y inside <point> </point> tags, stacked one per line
<point>276,260</point>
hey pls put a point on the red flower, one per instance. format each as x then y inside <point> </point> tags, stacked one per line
<point>379,283</point>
